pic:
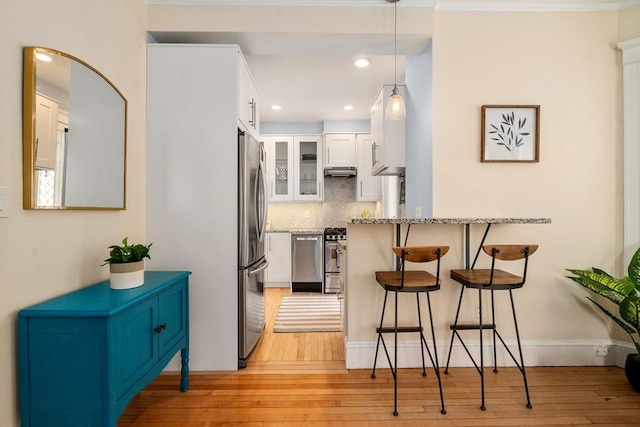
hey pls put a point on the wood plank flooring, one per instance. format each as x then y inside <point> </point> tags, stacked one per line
<point>318,391</point>
<point>320,350</point>
<point>581,396</point>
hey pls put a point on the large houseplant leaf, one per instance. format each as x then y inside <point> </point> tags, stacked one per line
<point>629,311</point>
<point>609,287</point>
<point>628,329</point>
<point>634,270</point>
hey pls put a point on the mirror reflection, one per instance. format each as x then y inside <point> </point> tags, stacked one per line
<point>74,134</point>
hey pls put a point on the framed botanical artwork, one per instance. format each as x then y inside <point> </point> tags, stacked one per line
<point>510,133</point>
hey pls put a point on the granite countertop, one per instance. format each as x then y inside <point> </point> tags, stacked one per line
<point>297,230</point>
<point>450,221</point>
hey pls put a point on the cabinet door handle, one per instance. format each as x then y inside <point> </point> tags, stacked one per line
<point>373,154</point>
<point>160,328</point>
<point>360,188</point>
<point>252,105</point>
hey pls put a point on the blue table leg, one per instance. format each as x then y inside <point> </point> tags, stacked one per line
<point>184,372</point>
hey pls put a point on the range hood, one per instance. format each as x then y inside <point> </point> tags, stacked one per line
<point>340,171</point>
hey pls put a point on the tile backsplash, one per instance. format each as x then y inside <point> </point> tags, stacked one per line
<point>339,206</point>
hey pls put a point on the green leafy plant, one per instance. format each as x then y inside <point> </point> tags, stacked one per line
<point>127,253</point>
<point>624,292</point>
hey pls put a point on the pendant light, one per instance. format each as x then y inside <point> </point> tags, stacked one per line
<point>395,108</point>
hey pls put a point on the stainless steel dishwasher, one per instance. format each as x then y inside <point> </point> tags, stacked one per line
<point>307,267</point>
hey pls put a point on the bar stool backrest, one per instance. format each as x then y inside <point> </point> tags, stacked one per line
<point>510,252</point>
<point>420,253</point>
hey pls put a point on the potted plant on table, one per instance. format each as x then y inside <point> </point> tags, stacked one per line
<point>624,292</point>
<point>126,264</point>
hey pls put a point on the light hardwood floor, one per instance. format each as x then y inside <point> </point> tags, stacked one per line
<point>317,352</point>
<point>309,386</point>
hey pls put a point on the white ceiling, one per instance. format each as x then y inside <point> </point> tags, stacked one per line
<point>312,76</point>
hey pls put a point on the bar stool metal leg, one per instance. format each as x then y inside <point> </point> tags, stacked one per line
<point>522,368</point>
<point>454,332</point>
<point>375,359</point>
<point>481,350</point>
<point>493,321</point>
<point>395,360</point>
<point>434,359</point>
<point>422,339</point>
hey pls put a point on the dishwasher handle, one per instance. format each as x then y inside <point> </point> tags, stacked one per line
<point>307,238</point>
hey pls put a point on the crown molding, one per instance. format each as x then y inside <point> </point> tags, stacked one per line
<point>330,3</point>
<point>441,5</point>
<point>535,5</point>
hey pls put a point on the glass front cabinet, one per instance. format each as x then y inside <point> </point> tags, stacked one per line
<point>279,167</point>
<point>295,167</point>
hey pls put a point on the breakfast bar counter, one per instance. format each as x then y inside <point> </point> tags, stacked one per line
<point>450,221</point>
<point>370,242</point>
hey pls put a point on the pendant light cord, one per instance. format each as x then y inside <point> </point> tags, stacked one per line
<point>395,43</point>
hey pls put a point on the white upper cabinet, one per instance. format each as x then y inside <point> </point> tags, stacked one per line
<point>389,136</point>
<point>339,150</point>
<point>248,105</point>
<point>368,185</point>
<point>294,167</point>
<point>308,173</point>
<point>279,167</point>
<point>46,132</point>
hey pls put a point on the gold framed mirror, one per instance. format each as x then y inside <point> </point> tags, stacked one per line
<point>74,134</point>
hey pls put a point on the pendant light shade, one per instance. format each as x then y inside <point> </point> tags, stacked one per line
<point>395,108</point>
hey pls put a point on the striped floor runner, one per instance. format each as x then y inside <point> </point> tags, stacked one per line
<point>308,313</point>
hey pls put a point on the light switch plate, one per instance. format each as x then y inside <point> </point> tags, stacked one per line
<point>4,202</point>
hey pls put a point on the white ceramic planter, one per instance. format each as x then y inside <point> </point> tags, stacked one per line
<point>126,276</point>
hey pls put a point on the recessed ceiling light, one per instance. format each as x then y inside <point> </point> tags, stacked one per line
<point>276,107</point>
<point>43,57</point>
<point>348,107</point>
<point>362,62</point>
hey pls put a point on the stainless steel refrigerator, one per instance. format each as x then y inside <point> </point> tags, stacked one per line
<point>252,220</point>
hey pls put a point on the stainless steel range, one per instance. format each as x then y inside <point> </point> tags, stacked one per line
<point>331,260</point>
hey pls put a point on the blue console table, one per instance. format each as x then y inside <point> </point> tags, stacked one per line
<point>83,356</point>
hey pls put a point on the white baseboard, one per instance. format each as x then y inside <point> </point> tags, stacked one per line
<point>359,355</point>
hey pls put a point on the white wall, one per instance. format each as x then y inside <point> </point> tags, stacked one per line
<point>47,253</point>
<point>572,70</point>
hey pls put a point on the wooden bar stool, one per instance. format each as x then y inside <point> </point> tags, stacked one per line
<point>492,279</point>
<point>410,282</point>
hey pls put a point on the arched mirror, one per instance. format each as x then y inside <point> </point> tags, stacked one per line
<point>74,134</point>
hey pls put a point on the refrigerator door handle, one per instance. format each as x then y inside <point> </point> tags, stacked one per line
<point>258,269</point>
<point>261,200</point>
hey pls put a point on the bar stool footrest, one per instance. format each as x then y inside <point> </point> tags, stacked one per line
<point>470,326</point>
<point>391,329</point>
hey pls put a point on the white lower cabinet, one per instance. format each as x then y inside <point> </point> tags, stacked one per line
<point>278,250</point>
